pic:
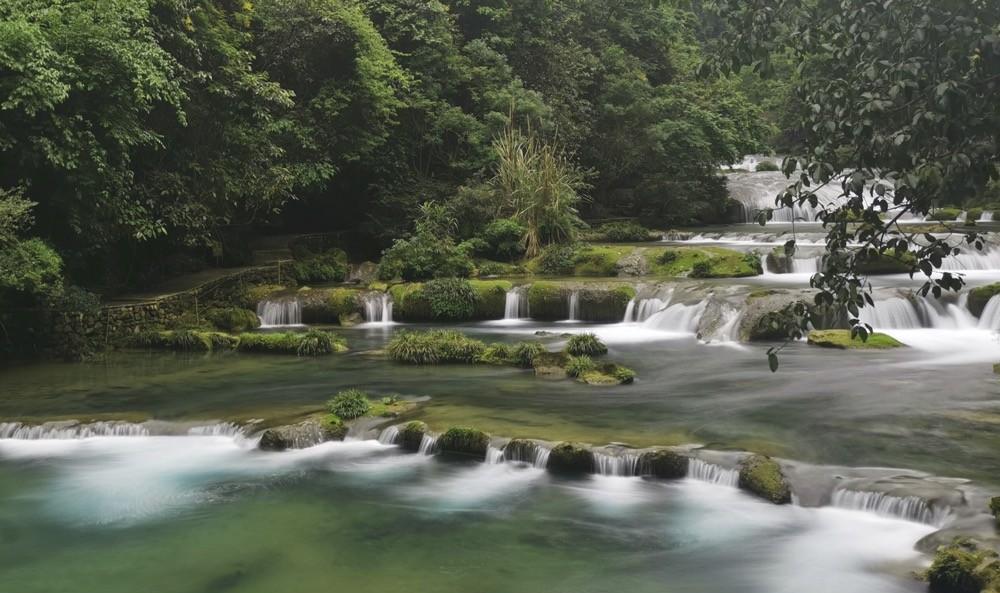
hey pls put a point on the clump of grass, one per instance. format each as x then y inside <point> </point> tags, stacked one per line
<point>349,404</point>
<point>434,347</point>
<point>311,343</point>
<point>578,365</point>
<point>586,345</point>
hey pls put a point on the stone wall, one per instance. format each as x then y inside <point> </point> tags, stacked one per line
<point>70,334</point>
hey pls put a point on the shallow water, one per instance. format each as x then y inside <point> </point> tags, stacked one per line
<point>189,514</point>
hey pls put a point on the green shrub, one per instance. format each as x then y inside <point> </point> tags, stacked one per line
<point>624,232</point>
<point>349,404</point>
<point>557,260</point>
<point>486,267</point>
<point>701,269</point>
<point>330,266</point>
<point>668,257</point>
<point>763,166</point>
<point>579,365</point>
<point>423,257</point>
<point>434,347</point>
<point>184,340</point>
<point>316,343</point>
<point>523,354</point>
<point>504,239</point>
<point>451,299</point>
<point>233,320</point>
<point>498,353</point>
<point>585,345</point>
<point>623,375</point>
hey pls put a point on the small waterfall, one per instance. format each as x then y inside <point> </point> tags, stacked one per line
<point>516,305</point>
<point>711,473</point>
<point>804,265</point>
<point>765,270</point>
<point>973,259</point>
<point>757,191</point>
<point>625,464</point>
<point>574,306</point>
<point>428,445</point>
<point>986,216</point>
<point>990,319</point>
<point>642,309</point>
<point>389,435</point>
<point>526,452</point>
<point>279,313</point>
<point>70,430</point>
<point>378,307</point>
<point>918,312</point>
<point>494,455</point>
<point>911,508</point>
<point>729,328</point>
<point>677,318</point>
<point>222,429</point>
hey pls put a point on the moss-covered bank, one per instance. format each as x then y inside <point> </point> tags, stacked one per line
<point>841,339</point>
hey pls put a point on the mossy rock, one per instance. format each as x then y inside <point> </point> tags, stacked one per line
<point>491,298</point>
<point>762,476</point>
<point>183,341</point>
<point>887,263</point>
<point>548,301</point>
<point>571,458</point>
<point>468,442</point>
<point>302,435</point>
<point>604,305</point>
<point>663,463</point>
<point>409,302</point>
<point>411,434</point>
<point>608,374</point>
<point>233,319</point>
<point>550,365</point>
<point>963,567</point>
<point>703,262</point>
<point>253,295</point>
<point>945,214</point>
<point>980,296</point>
<point>841,339</point>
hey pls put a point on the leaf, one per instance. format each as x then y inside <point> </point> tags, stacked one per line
<point>772,361</point>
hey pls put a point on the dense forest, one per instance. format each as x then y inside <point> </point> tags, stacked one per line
<point>138,135</point>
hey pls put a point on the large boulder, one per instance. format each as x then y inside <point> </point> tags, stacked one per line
<point>762,476</point>
<point>571,458</point>
<point>411,435</point>
<point>468,442</point>
<point>300,436</point>
<point>663,463</point>
<point>963,567</point>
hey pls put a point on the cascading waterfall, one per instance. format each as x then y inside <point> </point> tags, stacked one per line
<point>911,508</point>
<point>639,310</point>
<point>389,435</point>
<point>279,313</point>
<point>972,259</point>
<point>624,464</point>
<point>677,318</point>
<point>986,216</point>
<point>516,304</point>
<point>918,312</point>
<point>728,330</point>
<point>526,452</point>
<point>494,455</point>
<point>378,307</point>
<point>69,430</point>
<point>757,191</point>
<point>574,306</point>
<point>712,473</point>
<point>222,429</point>
<point>804,265</point>
<point>990,318</point>
<point>428,445</point>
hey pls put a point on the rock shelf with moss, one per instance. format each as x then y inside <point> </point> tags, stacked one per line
<point>468,442</point>
<point>964,567</point>
<point>762,476</point>
<point>841,339</point>
<point>980,296</point>
<point>311,343</point>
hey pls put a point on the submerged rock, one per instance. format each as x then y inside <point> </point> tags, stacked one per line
<point>411,434</point>
<point>300,436</point>
<point>663,463</point>
<point>762,476</point>
<point>571,458</point>
<point>550,365</point>
<point>464,441</point>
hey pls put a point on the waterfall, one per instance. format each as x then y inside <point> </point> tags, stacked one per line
<point>574,306</point>
<point>222,429</point>
<point>918,312</point>
<point>625,464</point>
<point>677,318</point>
<point>389,435</point>
<point>973,259</point>
<point>642,309</point>
<point>757,191</point>
<point>526,452</point>
<point>729,328</point>
<point>279,313</point>
<point>516,304</point>
<point>378,307</point>
<point>494,455</point>
<point>911,508</point>
<point>990,319</point>
<point>428,445</point>
<point>805,265</point>
<point>70,430</point>
<point>714,474</point>
<point>986,216</point>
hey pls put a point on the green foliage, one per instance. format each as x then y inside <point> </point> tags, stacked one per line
<point>349,404</point>
<point>491,298</point>
<point>842,340</point>
<point>624,232</point>
<point>330,266</point>
<point>312,343</point>
<point>701,269</point>
<point>434,347</point>
<point>430,253</point>
<point>703,262</point>
<point>523,354</point>
<point>30,268</point>
<point>317,343</point>
<point>504,239</point>
<point>233,320</point>
<point>585,345</point>
<point>556,260</point>
<point>184,341</point>
<point>451,299</point>
<point>945,214</point>
<point>578,365</point>
<point>623,375</point>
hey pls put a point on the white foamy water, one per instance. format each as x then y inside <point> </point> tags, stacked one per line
<point>281,313</point>
<point>377,308</point>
